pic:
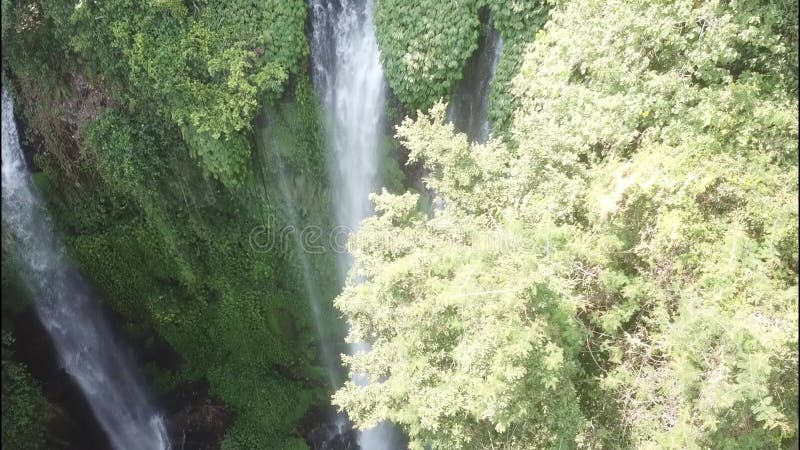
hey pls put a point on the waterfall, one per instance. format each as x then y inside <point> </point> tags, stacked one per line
<point>348,77</point>
<point>82,338</point>
<point>312,290</point>
<point>470,103</point>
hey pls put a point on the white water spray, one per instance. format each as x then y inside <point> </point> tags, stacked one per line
<point>349,78</point>
<point>81,336</point>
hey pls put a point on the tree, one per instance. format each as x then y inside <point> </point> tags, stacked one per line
<point>642,286</point>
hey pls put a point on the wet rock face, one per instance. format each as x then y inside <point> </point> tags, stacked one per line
<point>325,429</point>
<point>85,104</point>
<point>331,436</point>
<point>469,106</point>
<point>345,441</point>
<point>195,421</point>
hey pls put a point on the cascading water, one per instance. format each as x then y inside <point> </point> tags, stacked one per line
<point>80,335</point>
<point>470,104</point>
<point>348,77</point>
<point>312,290</point>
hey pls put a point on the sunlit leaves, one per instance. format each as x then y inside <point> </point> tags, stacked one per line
<point>651,202</point>
<point>424,45</point>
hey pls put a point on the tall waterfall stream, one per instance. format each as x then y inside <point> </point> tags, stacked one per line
<point>348,77</point>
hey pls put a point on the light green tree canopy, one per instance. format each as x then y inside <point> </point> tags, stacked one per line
<point>640,289</point>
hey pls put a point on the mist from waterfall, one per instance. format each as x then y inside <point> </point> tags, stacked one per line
<point>348,77</point>
<point>329,358</point>
<point>83,340</point>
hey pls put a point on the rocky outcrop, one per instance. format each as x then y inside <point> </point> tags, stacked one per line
<point>323,428</point>
<point>195,420</point>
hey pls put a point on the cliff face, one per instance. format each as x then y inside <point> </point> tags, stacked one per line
<point>167,246</point>
<point>51,122</point>
<point>169,250</point>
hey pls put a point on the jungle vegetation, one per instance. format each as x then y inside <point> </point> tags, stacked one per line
<point>616,268</point>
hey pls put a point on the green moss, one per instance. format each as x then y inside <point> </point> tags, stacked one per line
<point>169,247</point>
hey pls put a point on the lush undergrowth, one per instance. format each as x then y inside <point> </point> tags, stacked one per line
<point>163,193</point>
<point>616,268</point>
<point>24,410</point>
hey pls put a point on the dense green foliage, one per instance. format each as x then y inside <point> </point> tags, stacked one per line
<point>23,422</point>
<point>167,247</point>
<point>616,268</point>
<point>425,46</point>
<point>206,67</point>
<point>518,23</point>
<point>170,246</point>
<point>626,274</point>
<point>123,101</point>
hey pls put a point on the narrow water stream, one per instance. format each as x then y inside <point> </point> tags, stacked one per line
<point>469,107</point>
<point>329,358</point>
